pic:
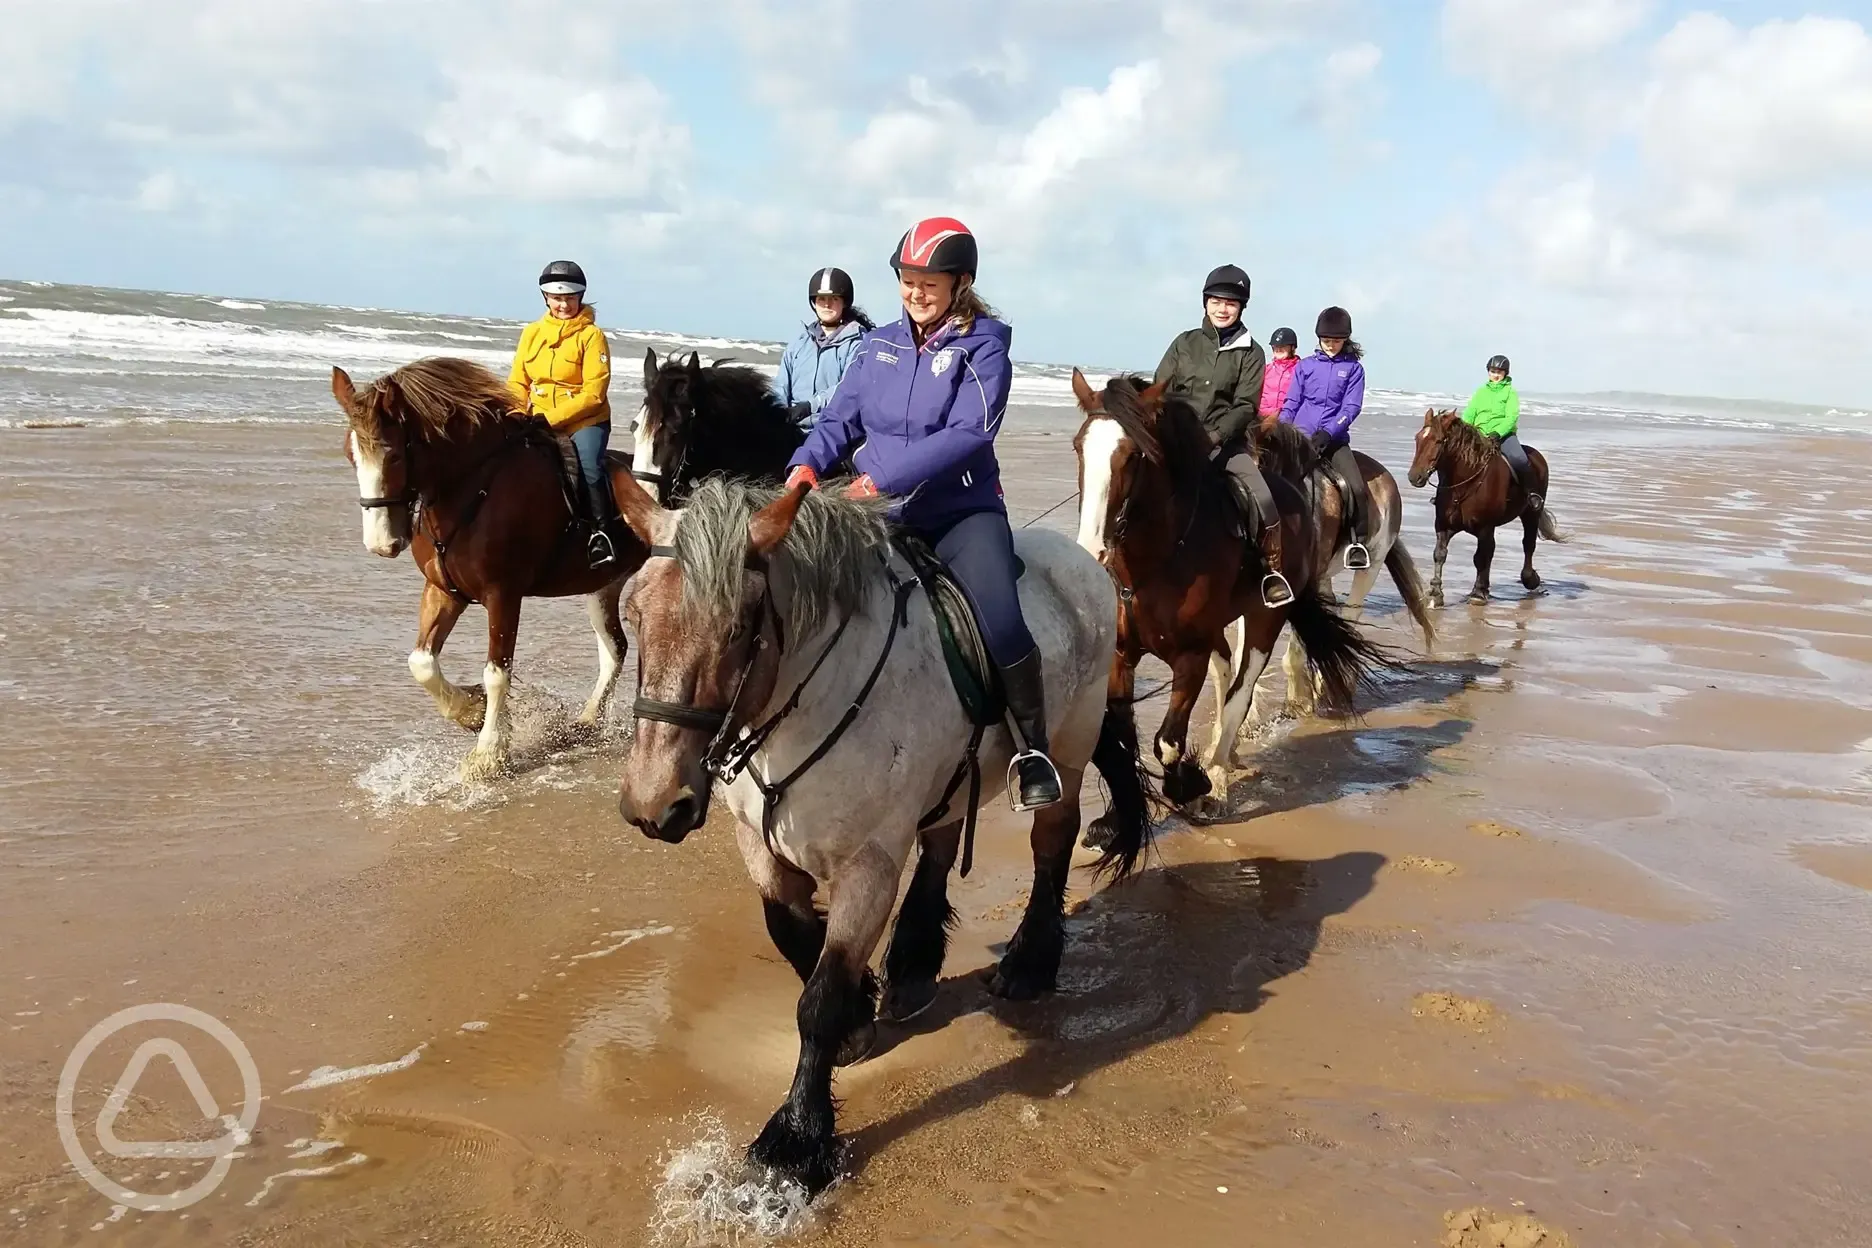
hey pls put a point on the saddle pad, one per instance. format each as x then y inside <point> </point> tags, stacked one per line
<point>976,679</point>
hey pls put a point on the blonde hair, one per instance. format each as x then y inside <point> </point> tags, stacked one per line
<point>968,305</point>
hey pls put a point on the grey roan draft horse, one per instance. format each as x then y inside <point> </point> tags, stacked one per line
<point>785,652</point>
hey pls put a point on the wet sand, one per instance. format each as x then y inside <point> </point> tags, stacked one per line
<point>1572,924</point>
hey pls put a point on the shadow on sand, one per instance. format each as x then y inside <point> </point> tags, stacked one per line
<point>1145,962</point>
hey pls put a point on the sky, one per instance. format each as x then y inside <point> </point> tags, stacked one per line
<point>1619,194</point>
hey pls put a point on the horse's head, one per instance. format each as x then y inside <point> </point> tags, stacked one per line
<point>1116,438</point>
<point>1430,440</point>
<point>377,444</point>
<point>708,650</point>
<point>667,425</point>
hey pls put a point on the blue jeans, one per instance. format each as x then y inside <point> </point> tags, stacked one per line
<point>979,549</point>
<point>590,443</point>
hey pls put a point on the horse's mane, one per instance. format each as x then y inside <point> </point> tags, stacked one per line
<point>1472,449</point>
<point>736,400</point>
<point>828,555</point>
<point>1283,450</point>
<point>1176,440</point>
<point>435,393</point>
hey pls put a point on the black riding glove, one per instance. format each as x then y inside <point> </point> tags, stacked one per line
<point>1322,443</point>
<point>800,412</point>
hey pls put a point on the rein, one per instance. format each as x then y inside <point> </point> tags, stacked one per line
<point>730,752</point>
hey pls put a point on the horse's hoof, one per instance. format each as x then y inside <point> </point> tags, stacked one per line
<point>1184,783</point>
<point>1016,983</point>
<point>470,710</point>
<point>1436,600</point>
<point>857,1046</point>
<point>796,1156</point>
<point>1531,581</point>
<point>483,767</point>
<point>1099,834</point>
<point>905,1001</point>
<point>1477,597</point>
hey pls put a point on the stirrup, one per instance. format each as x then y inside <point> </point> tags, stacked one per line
<point>1275,591</point>
<point>1535,502</point>
<point>1014,782</point>
<point>598,549</point>
<point>1357,558</point>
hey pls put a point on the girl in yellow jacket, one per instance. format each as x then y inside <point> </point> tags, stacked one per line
<point>562,372</point>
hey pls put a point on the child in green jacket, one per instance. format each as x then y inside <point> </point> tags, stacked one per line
<point>1495,410</point>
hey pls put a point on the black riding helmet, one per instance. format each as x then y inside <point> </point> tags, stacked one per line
<point>562,277</point>
<point>1283,337</point>
<point>830,281</point>
<point>1334,322</point>
<point>1498,363</point>
<point>1227,282</point>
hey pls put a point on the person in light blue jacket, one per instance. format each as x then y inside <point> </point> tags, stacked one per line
<point>815,362</point>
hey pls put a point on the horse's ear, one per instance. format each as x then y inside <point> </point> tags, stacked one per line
<point>635,505</point>
<point>768,527</point>
<point>695,362</point>
<point>1083,391</point>
<point>650,367</point>
<point>1152,395</point>
<point>342,389</point>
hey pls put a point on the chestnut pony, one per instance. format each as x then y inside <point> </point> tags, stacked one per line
<point>1158,512</point>
<point>1477,493</point>
<point>448,468</point>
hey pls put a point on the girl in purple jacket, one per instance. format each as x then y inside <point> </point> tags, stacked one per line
<point>1327,394</point>
<point>918,411</point>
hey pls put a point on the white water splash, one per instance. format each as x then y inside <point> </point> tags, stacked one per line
<point>629,937</point>
<point>711,1197</point>
<point>326,1076</point>
<point>305,1172</point>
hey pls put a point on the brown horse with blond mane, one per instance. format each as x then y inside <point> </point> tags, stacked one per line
<point>1478,493</point>
<point>476,490</point>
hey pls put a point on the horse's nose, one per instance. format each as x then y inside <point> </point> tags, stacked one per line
<point>679,818</point>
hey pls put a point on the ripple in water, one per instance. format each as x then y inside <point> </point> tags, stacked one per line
<point>710,1196</point>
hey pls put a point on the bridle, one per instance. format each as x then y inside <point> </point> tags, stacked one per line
<point>732,747</point>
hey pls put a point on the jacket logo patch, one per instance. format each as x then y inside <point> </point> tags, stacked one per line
<point>885,357</point>
<point>1345,372</point>
<point>941,362</point>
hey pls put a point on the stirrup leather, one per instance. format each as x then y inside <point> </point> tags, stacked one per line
<point>1014,784</point>
<point>1357,558</point>
<point>1275,591</point>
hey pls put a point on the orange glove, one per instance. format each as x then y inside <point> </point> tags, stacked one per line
<point>802,474</point>
<point>863,487</point>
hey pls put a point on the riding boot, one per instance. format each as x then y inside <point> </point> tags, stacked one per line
<point>1275,591</point>
<point>1033,781</point>
<point>601,548</point>
<point>1265,529</point>
<point>1358,511</point>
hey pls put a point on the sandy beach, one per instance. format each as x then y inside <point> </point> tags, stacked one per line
<point>1571,926</point>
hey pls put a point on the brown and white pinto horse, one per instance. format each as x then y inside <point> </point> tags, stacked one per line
<point>1477,493</point>
<point>474,489</point>
<point>1284,451</point>
<point>1157,511</point>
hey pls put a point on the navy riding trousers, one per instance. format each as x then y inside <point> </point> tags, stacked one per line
<point>979,549</point>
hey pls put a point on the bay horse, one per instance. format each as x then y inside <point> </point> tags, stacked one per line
<point>1283,450</point>
<point>475,489</point>
<point>1157,511</point>
<point>767,625</point>
<point>698,422</point>
<point>1477,493</point>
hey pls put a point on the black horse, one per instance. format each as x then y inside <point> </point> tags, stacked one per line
<point>700,422</point>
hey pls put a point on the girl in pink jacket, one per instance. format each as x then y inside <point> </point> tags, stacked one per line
<point>1280,371</point>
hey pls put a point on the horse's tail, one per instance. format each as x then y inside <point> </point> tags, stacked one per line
<point>1549,529</point>
<point>1403,571</point>
<point>1339,651</point>
<point>1134,797</point>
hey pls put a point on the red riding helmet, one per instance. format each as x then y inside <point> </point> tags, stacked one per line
<point>936,245</point>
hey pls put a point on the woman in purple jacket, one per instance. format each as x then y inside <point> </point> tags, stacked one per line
<point>1327,394</point>
<point>918,411</point>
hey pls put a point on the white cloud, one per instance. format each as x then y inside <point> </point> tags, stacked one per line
<point>1782,106</point>
<point>1086,126</point>
<point>160,192</point>
<point>527,136</point>
<point>1547,56</point>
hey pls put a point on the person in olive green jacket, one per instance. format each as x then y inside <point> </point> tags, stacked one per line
<point>1219,367</point>
<point>1495,411</point>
